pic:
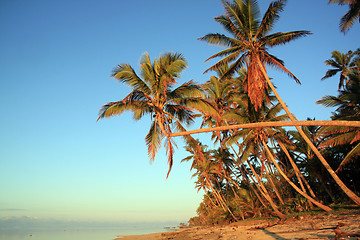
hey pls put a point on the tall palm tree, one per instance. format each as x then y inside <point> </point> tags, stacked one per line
<point>154,94</point>
<point>250,41</point>
<point>343,63</point>
<point>249,46</point>
<point>349,18</point>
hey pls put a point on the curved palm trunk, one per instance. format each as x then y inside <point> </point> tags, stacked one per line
<point>221,200</point>
<point>272,183</point>
<point>247,179</point>
<point>346,190</point>
<point>206,193</point>
<point>270,124</point>
<point>252,188</point>
<point>266,194</point>
<point>299,175</point>
<point>326,208</point>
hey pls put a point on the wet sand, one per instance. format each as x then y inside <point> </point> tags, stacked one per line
<point>337,225</point>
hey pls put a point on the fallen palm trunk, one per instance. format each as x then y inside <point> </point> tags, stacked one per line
<point>269,124</point>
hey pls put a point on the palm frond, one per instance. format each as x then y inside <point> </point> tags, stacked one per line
<point>181,113</point>
<point>173,63</point>
<point>329,101</point>
<point>112,109</point>
<point>270,17</point>
<point>279,38</point>
<point>223,61</point>
<point>230,27</point>
<point>126,74</point>
<point>186,90</point>
<point>330,73</point>
<point>339,139</point>
<point>153,140</point>
<point>169,144</point>
<point>350,157</point>
<point>235,66</point>
<point>277,63</point>
<point>201,105</point>
<point>349,18</point>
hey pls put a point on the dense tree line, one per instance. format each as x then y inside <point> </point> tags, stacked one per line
<point>253,171</point>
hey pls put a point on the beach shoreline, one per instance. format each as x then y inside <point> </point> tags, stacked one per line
<point>334,225</point>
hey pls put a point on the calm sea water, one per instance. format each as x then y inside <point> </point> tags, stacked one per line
<point>83,233</point>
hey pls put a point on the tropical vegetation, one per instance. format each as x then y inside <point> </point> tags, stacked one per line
<point>263,169</point>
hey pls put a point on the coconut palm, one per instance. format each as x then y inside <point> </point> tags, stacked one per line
<point>206,172</point>
<point>154,94</point>
<point>255,141</point>
<point>348,108</point>
<point>250,41</point>
<point>343,63</point>
<point>218,94</point>
<point>350,17</point>
<point>248,46</point>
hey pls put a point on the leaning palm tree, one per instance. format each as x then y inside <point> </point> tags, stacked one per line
<point>257,139</point>
<point>219,95</point>
<point>249,46</point>
<point>349,18</point>
<point>154,94</point>
<point>348,108</point>
<point>343,63</point>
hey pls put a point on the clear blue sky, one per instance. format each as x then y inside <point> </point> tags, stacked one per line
<point>57,162</point>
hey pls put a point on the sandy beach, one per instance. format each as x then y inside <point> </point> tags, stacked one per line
<point>339,225</point>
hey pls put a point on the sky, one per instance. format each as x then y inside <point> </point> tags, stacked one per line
<point>58,163</point>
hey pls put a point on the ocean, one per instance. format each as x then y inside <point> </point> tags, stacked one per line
<point>82,233</point>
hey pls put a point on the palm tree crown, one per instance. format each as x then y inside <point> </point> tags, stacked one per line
<point>343,63</point>
<point>154,94</point>
<point>249,42</point>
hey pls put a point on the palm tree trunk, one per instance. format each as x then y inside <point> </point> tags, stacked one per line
<point>299,175</point>
<point>221,200</point>
<point>272,183</point>
<point>247,179</point>
<point>205,191</point>
<point>266,194</point>
<point>326,208</point>
<point>269,124</point>
<point>347,191</point>
<point>252,188</point>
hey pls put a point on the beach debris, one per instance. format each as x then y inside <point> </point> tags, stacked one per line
<point>269,224</point>
<point>340,234</point>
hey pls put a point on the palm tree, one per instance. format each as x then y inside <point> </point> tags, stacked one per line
<point>218,94</point>
<point>349,18</point>
<point>206,172</point>
<point>343,63</point>
<point>348,108</point>
<point>250,42</point>
<point>255,140</point>
<point>154,94</point>
<point>249,46</point>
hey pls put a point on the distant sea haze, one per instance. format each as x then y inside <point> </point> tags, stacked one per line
<point>34,229</point>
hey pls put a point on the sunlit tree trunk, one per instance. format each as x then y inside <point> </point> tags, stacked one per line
<point>347,191</point>
<point>298,174</point>
<point>247,179</point>
<point>326,208</point>
<point>272,183</point>
<point>266,194</point>
<point>222,201</point>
